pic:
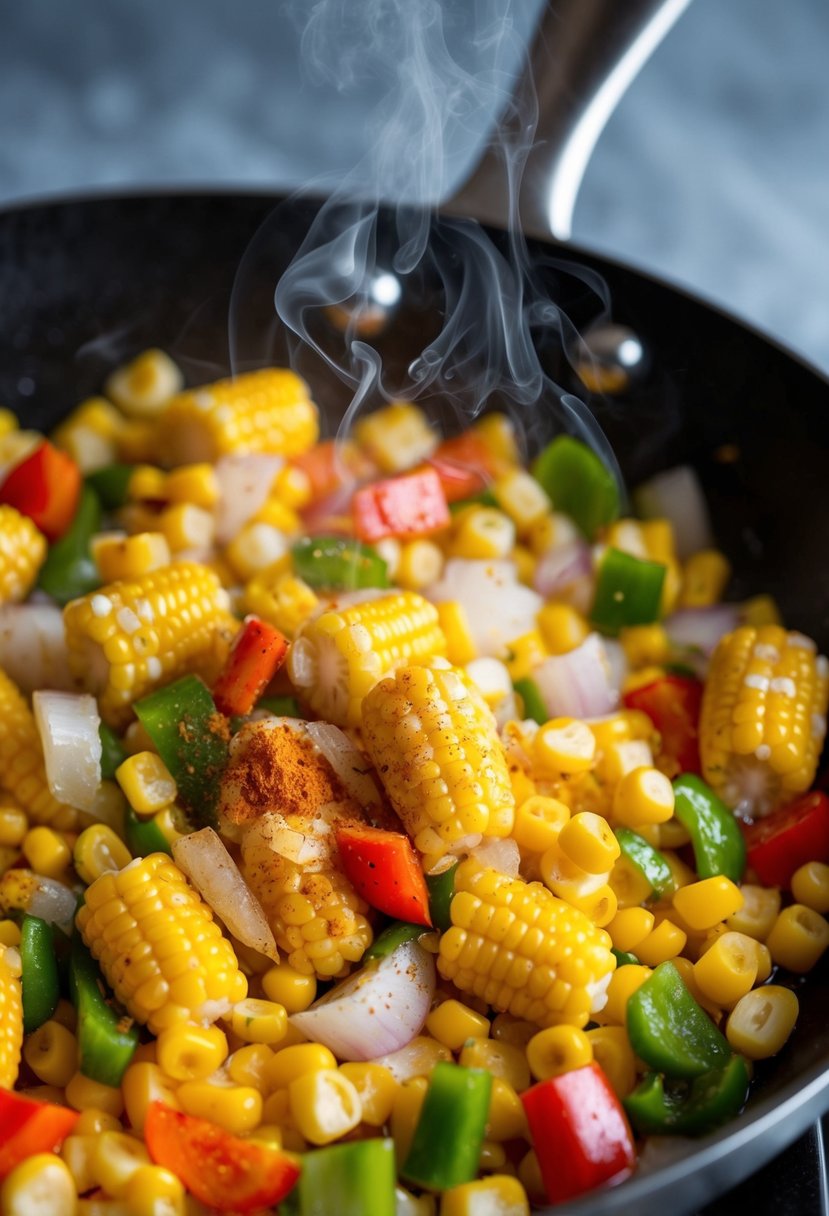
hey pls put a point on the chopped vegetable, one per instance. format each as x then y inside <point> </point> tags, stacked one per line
<point>672,703</point>
<point>111,484</point>
<point>41,986</point>
<point>441,888</point>
<point>112,751</point>
<point>532,700</point>
<point>257,654</point>
<point>28,1127</point>
<point>403,507</point>
<point>668,1029</point>
<point>68,724</point>
<point>578,483</point>
<point>385,871</point>
<point>788,838</point>
<point>335,563</point>
<point>46,486</point>
<point>69,569</point>
<point>648,861</point>
<point>446,1147</point>
<point>628,592</point>
<point>106,1038</point>
<point>718,843</point>
<point>691,1109</point>
<point>356,1179</point>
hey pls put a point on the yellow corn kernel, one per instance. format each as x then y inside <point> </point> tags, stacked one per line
<point>408,1103</point>
<point>497,432</point>
<point>643,796</point>
<point>420,565</point>
<point>499,1193</point>
<point>483,533</point>
<point>82,1093</point>
<point>564,745</point>
<point>500,1059</point>
<point>268,1133</point>
<point>376,1088</point>
<point>277,515</point>
<point>556,1050</point>
<point>236,1108</point>
<point>9,934</point>
<point>538,822</point>
<point>146,483</point>
<point>289,987</point>
<point>529,1173</point>
<point>761,610</point>
<point>798,938</point>
<point>728,968</point>
<point>614,1055</point>
<point>454,623</point>
<point>8,422</point>
<point>704,578</point>
<point>292,486</point>
<point>672,835</point>
<point>143,387</point>
<point>396,437</point>
<point>765,963</point>
<point>664,942</point>
<point>22,551</point>
<point>705,903</point>
<point>623,983</point>
<point>621,757</point>
<point>629,927</point>
<point>46,852</point>
<point>171,822</point>
<point>91,1122</point>
<point>153,1190</point>
<point>41,1183</point>
<point>98,850</point>
<point>324,1105</point>
<point>128,557</point>
<point>193,483</point>
<point>452,1023</point>
<point>629,884</point>
<point>645,645</point>
<point>760,1023</point>
<point>524,654</point>
<point>117,1156</point>
<point>810,886</point>
<point>508,1029</point>
<point>522,498</point>
<point>562,627</point>
<point>79,1152</point>
<point>682,874</point>
<point>51,1052</point>
<point>14,825</point>
<point>589,842</point>
<point>493,1158</point>
<point>248,1066</point>
<point>187,1052</point>
<point>256,1021</point>
<point>184,526</point>
<point>292,1062</point>
<point>142,1084</point>
<point>525,563</point>
<point>506,1119</point>
<point>282,599</point>
<point>760,909</point>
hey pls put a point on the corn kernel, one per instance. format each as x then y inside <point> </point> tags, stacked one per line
<point>142,1084</point>
<point>193,483</point>
<point>556,1050</point>
<point>524,654</point>
<point>643,796</point>
<point>98,850</point>
<point>499,1193</point>
<point>522,498</point>
<point>420,564</point>
<point>453,621</point>
<point>728,969</point>
<point>761,610</point>
<point>507,1028</point>
<point>82,1092</point>
<point>248,1065</point>
<point>552,531</point>
<point>614,1055</point>
<point>506,1119</point>
<point>408,1103</point>
<point>376,1089</point>
<point>493,1157</point>
<point>704,578</point>
<point>645,644</point>
<point>810,886</point>
<point>91,1122</point>
<point>705,903</point>
<point>760,1023</point>
<point>117,1156</point>
<point>46,852</point>
<point>407,1204</point>
<point>589,843</point>
<point>538,822</point>
<point>760,909</point>
<point>191,1053</point>
<point>525,563</point>
<point>564,745</point>
<point>529,1172</point>
<point>14,824</point>
<point>452,1023</point>
<point>256,1021</point>
<point>236,1108</point>
<point>9,933</point>
<point>482,533</point>
<point>501,1059</point>
<point>664,942</point>
<point>621,757</point>
<point>268,1133</point>
<point>187,527</point>
<point>798,938</point>
<point>629,927</point>
<point>143,387</point>
<point>153,1190</point>
<point>51,1052</point>
<point>765,963</point>
<point>256,547</point>
<point>289,988</point>
<point>396,437</point>
<point>623,983</point>
<point>291,1062</point>
<point>324,1105</point>
<point>292,486</point>
<point>629,884</point>
<point>562,627</point>
<point>41,1183</point>
<point>147,783</point>
<point>79,1153</point>
<point>672,835</point>
<point>171,822</point>
<point>126,557</point>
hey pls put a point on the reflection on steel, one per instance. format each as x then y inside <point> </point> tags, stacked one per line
<point>368,312</point>
<point>610,358</point>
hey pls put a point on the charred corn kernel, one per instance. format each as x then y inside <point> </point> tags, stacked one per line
<point>236,1108</point>
<point>21,761</point>
<point>643,796</point>
<point>408,1103</point>
<point>728,969</point>
<point>763,716</point>
<point>83,1093</point>
<point>262,411</point>
<point>614,1055</point>
<point>142,1084</point>
<point>11,1016</point>
<point>193,483</point>
<point>131,637</point>
<point>143,387</point>
<point>482,532</point>
<point>454,624</point>
<point>704,904</point>
<point>188,1052</point>
<point>506,1119</point>
<point>524,654</point>
<point>159,947</point>
<point>14,825</point>
<point>645,644</point>
<point>538,822</point>
<point>283,600</point>
<point>758,913</point>
<point>622,757</point>
<point>128,557</point>
<point>292,486</point>
<point>116,1158</point>
<point>248,1065</point>
<point>46,852</point>
<point>376,1088</point>
<point>588,841</point>
<point>98,850</point>
<point>92,1121</point>
<point>623,983</point>
<point>760,1023</point>
<point>704,578</point>
<point>184,526</point>
<point>51,1052</point>
<point>172,824</point>
<point>452,1023</point>
<point>664,942</point>
<point>562,628</point>
<point>396,437</point>
<point>564,745</point>
<point>521,497</point>
<point>499,1193</point>
<point>420,565</point>
<point>79,1152</point>
<point>256,1021</point>
<point>146,782</point>
<point>292,1062</point>
<point>761,610</point>
<point>22,550</point>
<point>324,1105</point>
<point>9,934</point>
<point>289,987</point>
<point>810,886</point>
<point>40,1184</point>
<point>629,927</point>
<point>435,745</point>
<point>338,657</point>
<point>798,938</point>
<point>153,1190</point>
<point>556,1050</point>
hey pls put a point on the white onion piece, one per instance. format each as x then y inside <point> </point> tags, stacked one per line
<point>68,724</point>
<point>272,830</point>
<point>617,663</point>
<point>500,855</point>
<point>350,765</point>
<point>416,1059</point>
<point>498,608</point>
<point>214,873</point>
<point>52,902</point>
<point>244,485</point>
<point>375,1011</point>
<point>557,569</point>
<point>33,647</point>
<point>701,628</point>
<point>676,495</point>
<point>578,684</point>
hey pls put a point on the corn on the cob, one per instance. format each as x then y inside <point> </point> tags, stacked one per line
<point>263,411</point>
<point>130,637</point>
<point>160,949</point>
<point>434,742</point>
<point>22,550</point>
<point>522,950</point>
<point>11,1016</point>
<point>22,771</point>
<point>339,656</point>
<point>763,717</point>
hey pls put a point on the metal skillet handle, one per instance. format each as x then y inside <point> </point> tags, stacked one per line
<point>584,56</point>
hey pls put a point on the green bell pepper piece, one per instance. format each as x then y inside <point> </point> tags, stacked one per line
<point>107,1038</point>
<point>41,984</point>
<point>111,484</point>
<point>648,860</point>
<point>534,706</point>
<point>283,707</point>
<point>441,889</point>
<point>628,592</point>
<point>624,958</point>
<point>716,838</point>
<point>112,752</point>
<point>578,482</point>
<point>144,836</point>
<point>446,1147</point>
<point>336,563</point>
<point>190,734</point>
<point>689,1109</point>
<point>353,1179</point>
<point>69,570</point>
<point>393,936</point>
<point>669,1031</point>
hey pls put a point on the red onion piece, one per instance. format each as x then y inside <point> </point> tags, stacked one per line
<point>676,495</point>
<point>578,684</point>
<point>244,485</point>
<point>559,568</point>
<point>702,628</point>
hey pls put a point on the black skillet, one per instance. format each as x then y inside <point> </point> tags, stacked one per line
<point>85,284</point>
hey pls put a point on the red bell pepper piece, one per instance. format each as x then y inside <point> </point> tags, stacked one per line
<point>673,703</point>
<point>579,1131</point>
<point>257,653</point>
<point>28,1127</point>
<point>786,839</point>
<point>46,486</point>
<point>404,507</point>
<point>332,464</point>
<point>464,464</point>
<point>222,1171</point>
<point>384,869</point>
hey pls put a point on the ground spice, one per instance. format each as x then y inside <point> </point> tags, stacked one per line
<point>278,769</point>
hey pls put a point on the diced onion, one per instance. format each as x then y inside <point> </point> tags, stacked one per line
<point>676,495</point>
<point>559,568</point>
<point>375,1011</point>
<point>272,830</point>
<point>350,765</point>
<point>214,873</point>
<point>578,684</point>
<point>701,628</point>
<point>53,902</point>
<point>498,608</point>
<point>33,646</point>
<point>500,855</point>
<point>68,724</point>
<point>244,485</point>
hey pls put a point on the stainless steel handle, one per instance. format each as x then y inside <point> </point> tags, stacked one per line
<point>583,58</point>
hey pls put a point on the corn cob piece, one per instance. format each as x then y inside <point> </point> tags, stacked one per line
<point>341,654</point>
<point>763,717</point>
<point>263,411</point>
<point>434,742</point>
<point>160,949</point>
<point>22,771</point>
<point>522,950</point>
<point>11,1016</point>
<point>130,637</point>
<point>22,550</point>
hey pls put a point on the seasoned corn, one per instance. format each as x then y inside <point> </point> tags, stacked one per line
<point>452,1023</point>
<point>22,550</point>
<point>128,557</point>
